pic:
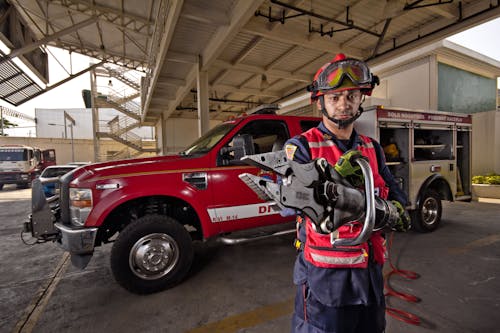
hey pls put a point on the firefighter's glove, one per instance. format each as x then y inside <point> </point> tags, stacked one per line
<point>285,181</point>
<point>403,223</point>
<point>348,168</point>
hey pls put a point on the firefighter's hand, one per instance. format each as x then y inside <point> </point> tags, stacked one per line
<point>403,223</point>
<point>348,168</point>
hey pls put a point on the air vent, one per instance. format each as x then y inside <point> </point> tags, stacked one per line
<point>197,179</point>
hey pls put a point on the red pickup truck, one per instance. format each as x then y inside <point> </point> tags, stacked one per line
<point>153,208</point>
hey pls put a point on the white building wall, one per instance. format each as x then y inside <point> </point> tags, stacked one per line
<point>407,86</point>
<point>485,143</point>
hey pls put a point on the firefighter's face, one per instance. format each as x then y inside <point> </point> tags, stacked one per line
<point>342,105</point>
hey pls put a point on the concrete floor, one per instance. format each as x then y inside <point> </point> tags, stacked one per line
<point>245,288</point>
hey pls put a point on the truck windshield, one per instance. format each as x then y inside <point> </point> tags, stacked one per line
<point>13,155</point>
<point>208,140</point>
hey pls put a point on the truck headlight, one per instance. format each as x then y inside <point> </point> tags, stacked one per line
<point>80,204</point>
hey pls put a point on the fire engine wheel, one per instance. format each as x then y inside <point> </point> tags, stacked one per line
<point>151,254</point>
<point>428,215</point>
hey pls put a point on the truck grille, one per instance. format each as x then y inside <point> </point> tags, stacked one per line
<point>9,178</point>
<point>64,197</point>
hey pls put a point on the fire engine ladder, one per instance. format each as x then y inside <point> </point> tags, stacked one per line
<point>120,128</point>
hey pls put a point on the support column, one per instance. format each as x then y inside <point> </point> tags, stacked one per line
<point>95,116</point>
<point>161,132</point>
<point>433,83</point>
<point>203,105</point>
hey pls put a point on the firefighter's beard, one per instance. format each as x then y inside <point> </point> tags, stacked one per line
<point>345,114</point>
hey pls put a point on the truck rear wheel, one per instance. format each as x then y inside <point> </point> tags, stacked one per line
<point>151,254</point>
<point>427,217</point>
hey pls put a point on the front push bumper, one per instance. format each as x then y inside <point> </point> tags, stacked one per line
<point>77,240</point>
<point>45,225</point>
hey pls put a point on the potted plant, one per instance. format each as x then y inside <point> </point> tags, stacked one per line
<point>486,186</point>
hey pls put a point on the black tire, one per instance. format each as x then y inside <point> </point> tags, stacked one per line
<point>1,187</point>
<point>427,217</point>
<point>151,254</point>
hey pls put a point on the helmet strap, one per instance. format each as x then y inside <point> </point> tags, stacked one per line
<point>341,123</point>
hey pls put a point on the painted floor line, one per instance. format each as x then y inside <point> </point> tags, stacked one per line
<point>37,305</point>
<point>248,319</point>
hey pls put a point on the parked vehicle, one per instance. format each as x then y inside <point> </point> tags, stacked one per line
<point>152,209</point>
<point>21,164</point>
<point>50,178</point>
<point>429,152</point>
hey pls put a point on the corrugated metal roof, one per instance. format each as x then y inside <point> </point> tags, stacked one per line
<point>237,44</point>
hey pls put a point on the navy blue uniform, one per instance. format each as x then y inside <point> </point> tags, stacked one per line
<point>346,299</point>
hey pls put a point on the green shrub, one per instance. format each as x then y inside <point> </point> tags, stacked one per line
<point>491,178</point>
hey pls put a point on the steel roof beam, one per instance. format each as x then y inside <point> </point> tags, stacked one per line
<point>258,70</point>
<point>239,58</point>
<point>186,58</point>
<point>293,36</point>
<point>240,14</point>
<point>204,14</point>
<point>163,36</point>
<point>55,85</point>
<point>46,40</point>
<point>249,91</point>
<point>111,15</point>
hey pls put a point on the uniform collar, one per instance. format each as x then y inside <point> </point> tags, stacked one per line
<point>327,135</point>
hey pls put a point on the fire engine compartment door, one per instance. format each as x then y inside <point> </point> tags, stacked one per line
<point>432,142</point>
<point>433,153</point>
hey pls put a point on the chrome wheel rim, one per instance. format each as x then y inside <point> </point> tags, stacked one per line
<point>430,211</point>
<point>153,256</point>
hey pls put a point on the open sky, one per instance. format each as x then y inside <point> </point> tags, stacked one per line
<point>483,39</point>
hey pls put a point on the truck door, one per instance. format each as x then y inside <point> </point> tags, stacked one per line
<point>48,157</point>
<point>237,206</point>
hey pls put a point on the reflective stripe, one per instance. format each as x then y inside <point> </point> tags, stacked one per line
<point>338,260</point>
<point>367,144</point>
<point>328,143</point>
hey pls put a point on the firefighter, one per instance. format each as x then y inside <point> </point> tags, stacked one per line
<point>341,289</point>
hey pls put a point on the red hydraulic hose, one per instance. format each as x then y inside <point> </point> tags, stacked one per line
<point>401,315</point>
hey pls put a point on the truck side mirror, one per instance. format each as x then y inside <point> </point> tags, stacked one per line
<point>242,145</point>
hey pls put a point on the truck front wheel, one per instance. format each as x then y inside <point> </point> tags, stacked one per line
<point>151,254</point>
<point>427,217</point>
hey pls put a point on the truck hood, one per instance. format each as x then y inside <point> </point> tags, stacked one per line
<point>132,167</point>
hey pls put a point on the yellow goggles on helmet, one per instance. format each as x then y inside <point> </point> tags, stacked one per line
<point>333,76</point>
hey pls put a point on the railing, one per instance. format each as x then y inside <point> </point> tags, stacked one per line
<point>125,75</point>
<point>158,34</point>
<point>119,97</point>
<point>119,125</point>
<point>124,100</point>
<point>113,130</point>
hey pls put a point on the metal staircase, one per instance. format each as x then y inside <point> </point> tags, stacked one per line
<point>120,127</point>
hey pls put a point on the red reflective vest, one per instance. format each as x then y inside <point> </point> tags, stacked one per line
<point>318,249</point>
